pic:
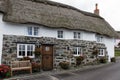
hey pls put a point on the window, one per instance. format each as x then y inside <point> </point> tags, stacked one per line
<point>99,38</point>
<point>33,31</point>
<point>77,35</point>
<point>60,34</point>
<point>77,51</point>
<point>101,52</point>
<point>25,50</point>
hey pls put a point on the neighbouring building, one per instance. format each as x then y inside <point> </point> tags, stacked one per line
<point>117,39</point>
<point>61,32</point>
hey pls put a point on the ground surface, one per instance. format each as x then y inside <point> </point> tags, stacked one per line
<point>106,72</point>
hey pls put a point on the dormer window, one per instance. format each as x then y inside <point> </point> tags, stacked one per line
<point>33,31</point>
<point>77,35</point>
<point>99,38</point>
<point>60,34</point>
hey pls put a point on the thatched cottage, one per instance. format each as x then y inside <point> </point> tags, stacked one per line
<point>58,32</point>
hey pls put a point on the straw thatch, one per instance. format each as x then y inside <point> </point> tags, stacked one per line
<point>118,33</point>
<point>54,15</point>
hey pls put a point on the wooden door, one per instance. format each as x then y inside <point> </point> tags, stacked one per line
<point>47,57</point>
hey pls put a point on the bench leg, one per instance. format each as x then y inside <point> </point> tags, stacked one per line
<point>31,71</point>
<point>11,73</point>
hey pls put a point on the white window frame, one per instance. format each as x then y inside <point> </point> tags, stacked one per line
<point>78,51</point>
<point>33,31</point>
<point>99,38</point>
<point>60,34</point>
<point>77,35</point>
<point>101,52</point>
<point>26,50</point>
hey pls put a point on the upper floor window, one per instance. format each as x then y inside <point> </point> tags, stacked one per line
<point>99,38</point>
<point>60,34</point>
<point>33,31</point>
<point>77,51</point>
<point>77,35</point>
<point>101,52</point>
<point>25,50</point>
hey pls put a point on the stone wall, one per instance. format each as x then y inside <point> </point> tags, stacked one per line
<point>63,49</point>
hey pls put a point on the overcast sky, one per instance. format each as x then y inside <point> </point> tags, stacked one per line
<point>109,9</point>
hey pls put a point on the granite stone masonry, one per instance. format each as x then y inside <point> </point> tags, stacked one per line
<point>63,49</point>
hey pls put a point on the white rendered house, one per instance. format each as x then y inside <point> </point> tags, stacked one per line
<point>58,28</point>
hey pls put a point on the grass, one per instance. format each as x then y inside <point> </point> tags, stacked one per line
<point>117,52</point>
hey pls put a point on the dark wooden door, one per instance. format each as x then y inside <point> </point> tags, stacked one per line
<point>47,57</point>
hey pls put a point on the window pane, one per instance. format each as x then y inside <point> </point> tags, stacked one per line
<point>78,35</point>
<point>20,53</point>
<point>29,30</point>
<point>23,53</point>
<point>36,30</point>
<point>75,50</point>
<point>30,49</point>
<point>75,35</point>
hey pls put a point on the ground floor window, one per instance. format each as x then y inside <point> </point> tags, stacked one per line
<point>101,52</point>
<point>25,50</point>
<point>77,51</point>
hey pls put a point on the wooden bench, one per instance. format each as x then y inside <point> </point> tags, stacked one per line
<point>20,65</point>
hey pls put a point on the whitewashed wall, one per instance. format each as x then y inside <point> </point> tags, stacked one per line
<point>1,37</point>
<point>89,36</point>
<point>21,29</point>
<point>110,42</point>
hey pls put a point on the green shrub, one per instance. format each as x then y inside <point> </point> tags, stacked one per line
<point>103,60</point>
<point>36,66</point>
<point>26,58</point>
<point>64,65</point>
<point>113,59</point>
<point>79,60</point>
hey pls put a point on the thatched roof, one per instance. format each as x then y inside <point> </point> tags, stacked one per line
<point>118,33</point>
<point>54,15</point>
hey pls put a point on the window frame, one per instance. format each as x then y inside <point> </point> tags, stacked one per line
<point>79,51</point>
<point>101,52</point>
<point>33,31</point>
<point>77,35</point>
<point>99,38</point>
<point>60,34</point>
<point>25,50</point>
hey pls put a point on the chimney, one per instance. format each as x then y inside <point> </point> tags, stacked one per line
<point>96,11</point>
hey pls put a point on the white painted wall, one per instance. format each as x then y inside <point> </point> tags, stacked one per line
<point>89,36</point>
<point>109,42</point>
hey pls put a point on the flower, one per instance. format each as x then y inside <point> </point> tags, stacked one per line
<point>4,70</point>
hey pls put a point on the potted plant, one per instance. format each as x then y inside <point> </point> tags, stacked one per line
<point>36,66</point>
<point>27,58</point>
<point>113,59</point>
<point>79,60</point>
<point>95,52</point>
<point>37,53</point>
<point>64,65</point>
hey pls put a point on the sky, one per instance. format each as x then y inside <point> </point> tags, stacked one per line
<point>109,9</point>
